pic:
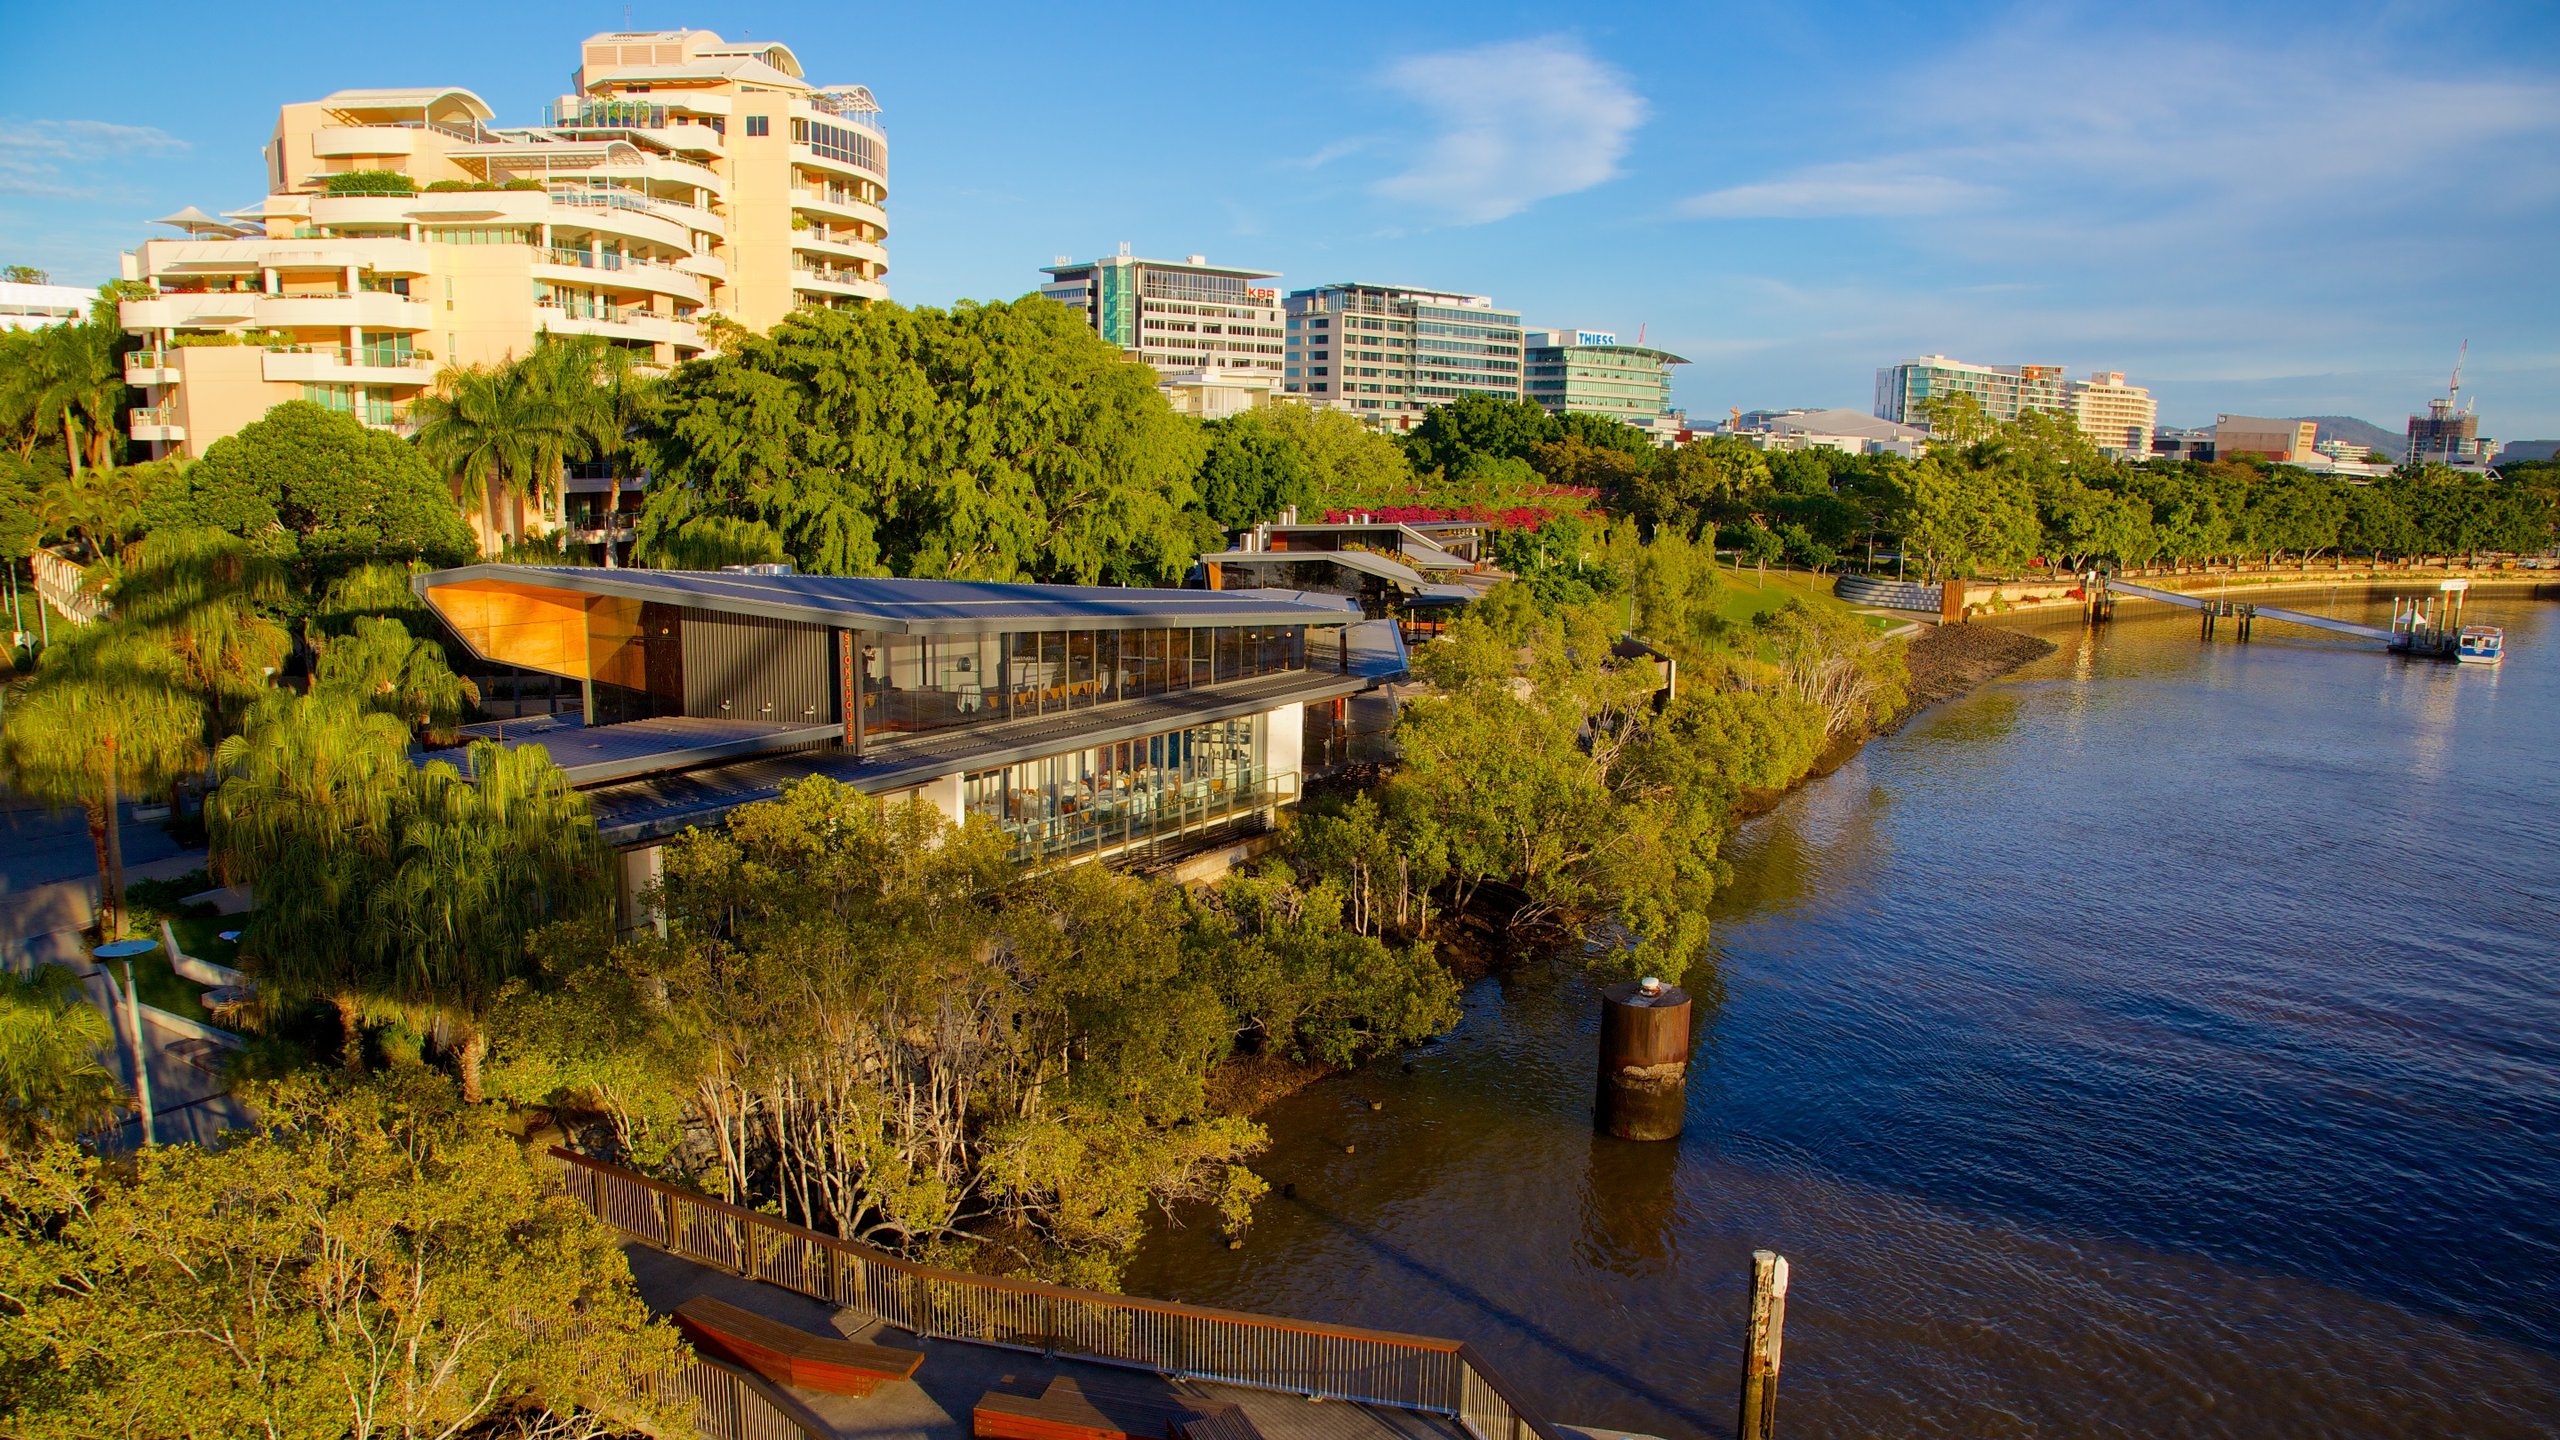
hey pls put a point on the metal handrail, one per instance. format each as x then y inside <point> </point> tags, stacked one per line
<point>1233,1347</point>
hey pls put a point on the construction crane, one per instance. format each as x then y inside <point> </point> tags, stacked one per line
<point>2453,390</point>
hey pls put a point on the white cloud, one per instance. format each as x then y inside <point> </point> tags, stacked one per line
<point>1516,123</point>
<point>2142,141</point>
<point>1854,188</point>
<point>68,158</point>
<point>1326,155</point>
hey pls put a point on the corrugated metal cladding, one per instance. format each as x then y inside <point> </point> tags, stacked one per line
<point>745,667</point>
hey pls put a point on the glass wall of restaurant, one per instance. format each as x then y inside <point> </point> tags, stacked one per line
<point>1098,799</point>
<point>918,683</point>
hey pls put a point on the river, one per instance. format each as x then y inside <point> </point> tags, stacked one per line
<point>2164,1040</point>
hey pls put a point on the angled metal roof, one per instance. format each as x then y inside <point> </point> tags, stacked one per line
<point>920,607</point>
<point>1394,572</point>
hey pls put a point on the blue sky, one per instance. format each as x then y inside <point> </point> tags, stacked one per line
<point>2275,209</point>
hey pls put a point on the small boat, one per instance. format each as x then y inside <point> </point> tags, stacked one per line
<point>2480,645</point>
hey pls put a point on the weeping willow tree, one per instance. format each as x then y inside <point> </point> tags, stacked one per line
<point>478,865</point>
<point>389,887</point>
<point>204,597</point>
<point>304,813</point>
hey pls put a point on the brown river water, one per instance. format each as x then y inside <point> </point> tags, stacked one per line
<point>2164,1040</point>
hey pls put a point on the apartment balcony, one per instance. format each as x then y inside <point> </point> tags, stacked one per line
<point>336,364</point>
<point>835,204</point>
<point>145,368</point>
<point>840,244</point>
<point>367,142</point>
<point>621,272</point>
<point>158,422</point>
<point>366,309</point>
<point>190,310</point>
<point>616,322</point>
<point>667,226</point>
<point>844,282</point>
<point>809,158</point>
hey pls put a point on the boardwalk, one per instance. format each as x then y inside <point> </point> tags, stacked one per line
<point>936,1404</point>
<point>1293,1379</point>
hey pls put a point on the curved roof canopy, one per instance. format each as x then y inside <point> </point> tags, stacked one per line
<point>430,102</point>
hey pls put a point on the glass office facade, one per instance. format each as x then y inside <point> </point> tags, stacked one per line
<point>918,683</point>
<point>1098,799</point>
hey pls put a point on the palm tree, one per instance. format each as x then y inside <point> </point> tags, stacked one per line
<point>307,810</point>
<point>106,715</point>
<point>517,426</point>
<point>54,1085</point>
<point>71,381</point>
<point>474,428</point>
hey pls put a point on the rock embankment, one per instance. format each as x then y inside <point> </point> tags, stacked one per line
<point>1948,660</point>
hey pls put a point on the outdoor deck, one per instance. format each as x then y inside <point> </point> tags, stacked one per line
<point>936,1404</point>
<point>591,754</point>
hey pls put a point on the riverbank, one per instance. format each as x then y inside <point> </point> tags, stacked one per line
<point>1948,660</point>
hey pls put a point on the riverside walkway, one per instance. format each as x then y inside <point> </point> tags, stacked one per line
<point>983,1334</point>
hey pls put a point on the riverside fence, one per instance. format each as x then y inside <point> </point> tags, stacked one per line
<point>1310,1358</point>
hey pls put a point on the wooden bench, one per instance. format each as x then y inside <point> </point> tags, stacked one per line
<point>788,1355</point>
<point>1086,1410</point>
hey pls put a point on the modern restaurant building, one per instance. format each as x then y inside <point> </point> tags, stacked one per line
<point>1087,722</point>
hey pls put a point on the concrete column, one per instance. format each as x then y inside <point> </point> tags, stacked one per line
<point>641,869</point>
<point>943,794</point>
<point>1284,741</point>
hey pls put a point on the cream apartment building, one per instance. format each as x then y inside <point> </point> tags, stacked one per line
<point>2119,417</point>
<point>687,178</point>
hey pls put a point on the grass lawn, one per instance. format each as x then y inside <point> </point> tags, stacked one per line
<point>161,986</point>
<point>1746,597</point>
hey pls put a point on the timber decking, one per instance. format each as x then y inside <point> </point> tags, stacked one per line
<point>1071,1409</point>
<point>789,1355</point>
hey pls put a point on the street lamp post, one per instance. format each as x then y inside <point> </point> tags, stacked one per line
<point>125,950</point>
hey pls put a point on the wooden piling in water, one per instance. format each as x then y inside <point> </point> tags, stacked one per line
<point>1761,1342</point>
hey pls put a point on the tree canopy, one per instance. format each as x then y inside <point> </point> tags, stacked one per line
<point>994,442</point>
<point>370,1261</point>
<point>323,490</point>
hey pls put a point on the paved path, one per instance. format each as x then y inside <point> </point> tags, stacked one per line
<point>48,890</point>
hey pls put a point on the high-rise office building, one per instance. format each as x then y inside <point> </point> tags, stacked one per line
<point>405,230</point>
<point>1903,391</point>
<point>1212,335</point>
<point>1587,372</point>
<point>2119,417</point>
<point>1387,353</point>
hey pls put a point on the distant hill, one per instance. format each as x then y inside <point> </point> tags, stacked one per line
<point>2394,443</point>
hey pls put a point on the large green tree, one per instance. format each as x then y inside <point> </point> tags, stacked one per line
<point>370,1261</point>
<point>1253,471</point>
<point>997,442</point>
<point>324,491</point>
